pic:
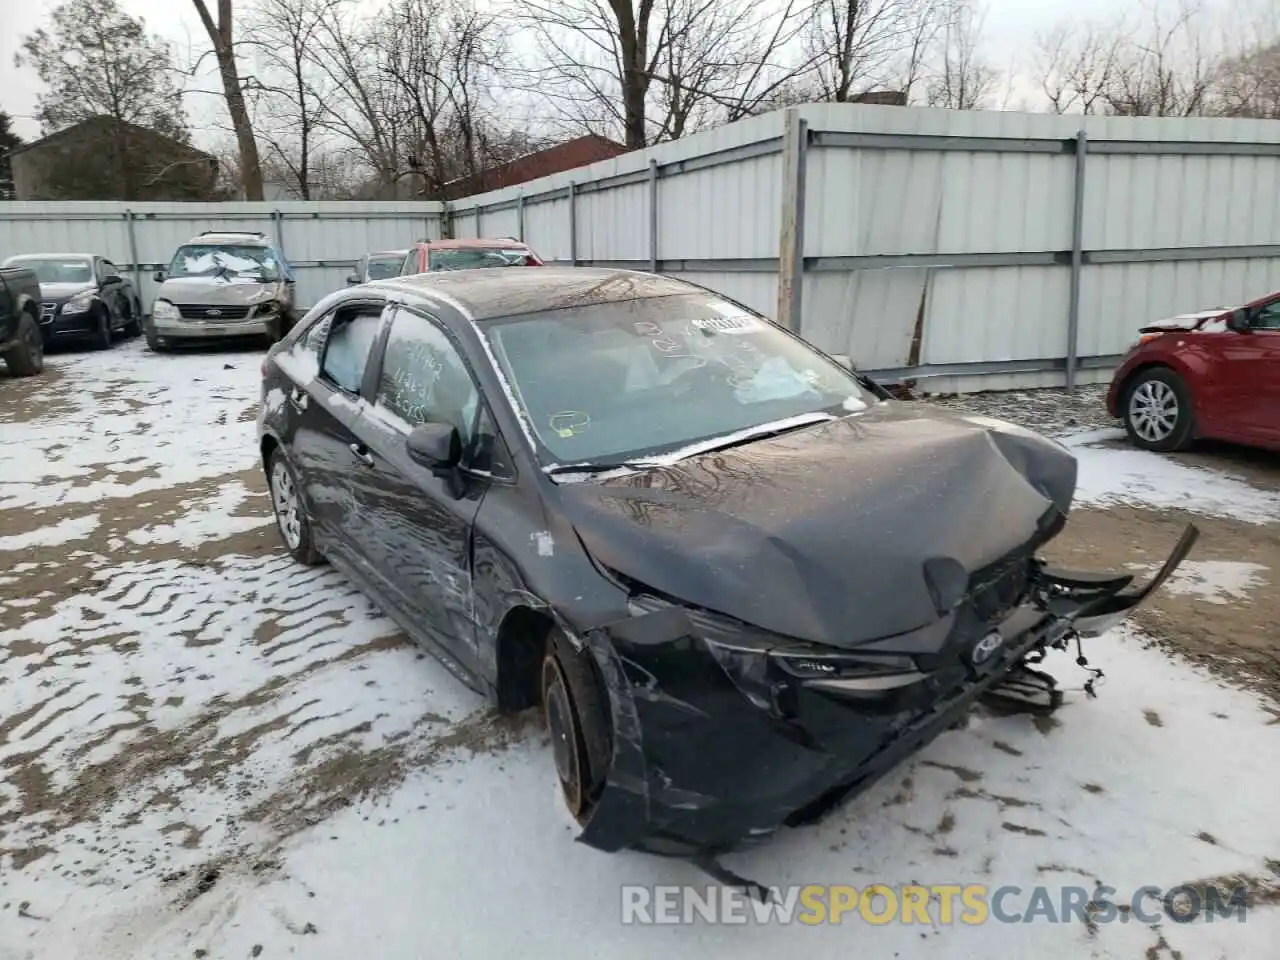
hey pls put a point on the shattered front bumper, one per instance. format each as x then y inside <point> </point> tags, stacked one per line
<point>700,769</point>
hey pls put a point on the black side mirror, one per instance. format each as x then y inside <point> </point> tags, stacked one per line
<point>111,278</point>
<point>435,445</point>
<point>158,276</point>
<point>353,280</point>
<point>1238,320</point>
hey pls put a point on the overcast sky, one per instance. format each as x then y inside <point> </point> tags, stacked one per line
<point>1010,28</point>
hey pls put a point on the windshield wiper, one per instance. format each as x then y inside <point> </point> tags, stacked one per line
<point>563,468</point>
<point>751,435</point>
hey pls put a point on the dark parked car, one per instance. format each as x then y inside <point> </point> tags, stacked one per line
<point>377,266</point>
<point>21,346</point>
<point>1212,374</point>
<point>85,297</point>
<point>741,581</point>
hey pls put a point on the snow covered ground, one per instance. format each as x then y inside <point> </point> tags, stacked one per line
<point>209,751</point>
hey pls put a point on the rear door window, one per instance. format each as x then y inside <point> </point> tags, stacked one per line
<point>346,353</point>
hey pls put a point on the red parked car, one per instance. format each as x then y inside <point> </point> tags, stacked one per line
<point>430,255</point>
<point>1212,374</point>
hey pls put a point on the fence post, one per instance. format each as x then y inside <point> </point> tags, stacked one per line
<point>476,208</point>
<point>277,225</point>
<point>1077,261</point>
<point>133,252</point>
<point>573,223</point>
<point>520,218</point>
<point>653,216</point>
<point>795,158</point>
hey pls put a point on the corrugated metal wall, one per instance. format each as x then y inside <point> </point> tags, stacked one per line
<point>979,230</point>
<point>961,223</point>
<point>321,239</point>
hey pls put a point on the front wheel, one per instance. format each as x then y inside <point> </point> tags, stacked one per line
<point>102,335</point>
<point>291,513</point>
<point>26,357</point>
<point>575,708</point>
<point>1157,410</point>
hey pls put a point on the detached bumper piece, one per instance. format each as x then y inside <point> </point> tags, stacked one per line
<point>1024,690</point>
<point>718,743</point>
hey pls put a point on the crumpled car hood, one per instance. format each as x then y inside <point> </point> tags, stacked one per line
<point>823,534</point>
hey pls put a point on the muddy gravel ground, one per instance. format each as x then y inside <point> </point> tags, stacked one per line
<point>161,656</point>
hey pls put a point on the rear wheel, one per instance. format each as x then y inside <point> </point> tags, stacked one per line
<point>26,357</point>
<point>133,311</point>
<point>1157,410</point>
<point>575,708</point>
<point>291,513</point>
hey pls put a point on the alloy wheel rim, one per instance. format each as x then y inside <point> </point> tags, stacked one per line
<point>285,499</point>
<point>1153,410</point>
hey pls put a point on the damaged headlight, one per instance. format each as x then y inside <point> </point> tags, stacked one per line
<point>767,668</point>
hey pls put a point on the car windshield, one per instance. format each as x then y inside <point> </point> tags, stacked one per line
<point>622,381</point>
<point>221,259</point>
<point>386,265</point>
<point>467,258</point>
<point>56,270</point>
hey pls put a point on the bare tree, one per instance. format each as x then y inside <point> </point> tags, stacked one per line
<point>963,79</point>
<point>288,91</point>
<point>1158,65</point>
<point>99,65</point>
<point>597,59</point>
<point>222,38</point>
<point>411,89</point>
<point>1164,70</point>
<point>1076,65</point>
<point>857,45</point>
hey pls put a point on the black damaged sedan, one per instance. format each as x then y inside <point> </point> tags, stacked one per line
<point>740,580</point>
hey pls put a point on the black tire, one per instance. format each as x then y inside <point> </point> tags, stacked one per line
<point>102,336</point>
<point>303,550</point>
<point>26,357</point>
<point>132,319</point>
<point>575,708</point>
<point>1151,391</point>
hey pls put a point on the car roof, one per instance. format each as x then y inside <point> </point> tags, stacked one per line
<point>490,294</point>
<point>246,239</point>
<point>388,253</point>
<point>52,256</point>
<point>473,243</point>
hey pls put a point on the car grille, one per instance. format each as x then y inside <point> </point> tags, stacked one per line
<point>997,589</point>
<point>204,311</point>
<point>48,311</point>
<point>993,592</point>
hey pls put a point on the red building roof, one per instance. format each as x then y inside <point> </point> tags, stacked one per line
<point>563,156</point>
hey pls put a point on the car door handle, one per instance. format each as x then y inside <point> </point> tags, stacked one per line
<point>362,454</point>
<point>298,398</point>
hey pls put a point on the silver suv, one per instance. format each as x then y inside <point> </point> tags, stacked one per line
<point>223,284</point>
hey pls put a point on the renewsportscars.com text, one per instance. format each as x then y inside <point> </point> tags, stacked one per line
<point>933,905</point>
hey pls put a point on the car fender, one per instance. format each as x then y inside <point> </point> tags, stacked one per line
<point>1190,366</point>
